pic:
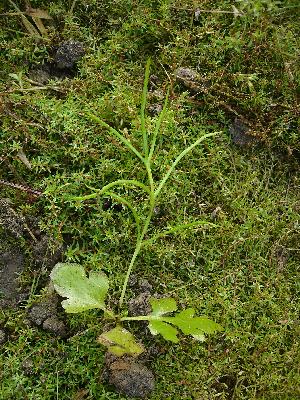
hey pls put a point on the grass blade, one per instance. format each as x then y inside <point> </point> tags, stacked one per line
<point>176,229</point>
<point>181,155</point>
<point>157,126</point>
<point>116,134</point>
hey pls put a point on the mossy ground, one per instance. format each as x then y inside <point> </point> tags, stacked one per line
<point>244,273</point>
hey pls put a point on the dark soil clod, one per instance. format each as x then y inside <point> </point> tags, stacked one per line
<point>129,377</point>
<point>68,54</point>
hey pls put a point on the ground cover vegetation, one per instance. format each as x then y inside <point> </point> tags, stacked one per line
<point>230,67</point>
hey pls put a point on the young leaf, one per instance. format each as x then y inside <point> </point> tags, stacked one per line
<point>185,321</point>
<point>119,342</point>
<point>167,331</point>
<point>195,326</point>
<point>163,306</point>
<point>82,293</point>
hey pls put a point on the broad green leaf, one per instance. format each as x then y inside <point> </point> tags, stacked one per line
<point>119,342</point>
<point>162,306</point>
<point>167,331</point>
<point>82,293</point>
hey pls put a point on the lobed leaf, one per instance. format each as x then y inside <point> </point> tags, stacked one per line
<point>82,293</point>
<point>185,321</point>
<point>195,326</point>
<point>119,342</point>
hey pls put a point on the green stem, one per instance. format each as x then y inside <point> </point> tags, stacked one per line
<point>157,127</point>
<point>105,189</point>
<point>142,235</point>
<point>129,205</point>
<point>143,318</point>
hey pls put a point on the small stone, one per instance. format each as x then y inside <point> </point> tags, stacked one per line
<point>54,325</point>
<point>192,80</point>
<point>144,286</point>
<point>186,74</point>
<point>68,54</point>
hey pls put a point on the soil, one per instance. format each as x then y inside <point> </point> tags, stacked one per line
<point>129,376</point>
<point>43,255</point>
<point>63,65</point>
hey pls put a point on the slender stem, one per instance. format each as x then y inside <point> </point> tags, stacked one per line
<point>122,182</point>
<point>144,318</point>
<point>106,188</point>
<point>181,155</point>
<point>142,235</point>
<point>143,107</point>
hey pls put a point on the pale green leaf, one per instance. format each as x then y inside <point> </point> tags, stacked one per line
<point>162,306</point>
<point>167,331</point>
<point>82,293</point>
<point>119,342</point>
<point>195,326</point>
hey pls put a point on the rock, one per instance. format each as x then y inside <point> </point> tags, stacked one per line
<point>131,378</point>
<point>54,325</point>
<point>40,312</point>
<point>12,223</point>
<point>140,305</point>
<point>3,336</point>
<point>68,54</point>
<point>241,134</point>
<point>11,265</point>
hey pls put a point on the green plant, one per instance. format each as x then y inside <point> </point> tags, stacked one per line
<point>84,293</point>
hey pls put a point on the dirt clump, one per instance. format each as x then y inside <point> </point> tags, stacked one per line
<point>10,221</point>
<point>68,54</point>
<point>44,315</point>
<point>129,377</point>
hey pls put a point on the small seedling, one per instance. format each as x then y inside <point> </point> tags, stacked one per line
<point>84,293</point>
